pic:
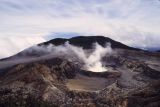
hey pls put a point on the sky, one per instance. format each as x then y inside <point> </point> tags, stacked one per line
<point>24,23</point>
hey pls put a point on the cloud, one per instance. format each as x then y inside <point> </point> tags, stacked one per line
<point>133,22</point>
<point>12,45</point>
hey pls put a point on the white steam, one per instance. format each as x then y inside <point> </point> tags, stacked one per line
<point>91,59</point>
<point>93,62</point>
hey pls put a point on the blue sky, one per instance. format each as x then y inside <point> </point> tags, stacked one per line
<point>27,22</point>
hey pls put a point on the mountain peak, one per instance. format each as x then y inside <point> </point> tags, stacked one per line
<point>87,41</point>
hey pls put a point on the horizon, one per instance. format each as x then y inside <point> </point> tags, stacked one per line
<point>134,23</point>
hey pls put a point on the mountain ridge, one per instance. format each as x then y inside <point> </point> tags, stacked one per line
<point>87,41</point>
<point>81,41</point>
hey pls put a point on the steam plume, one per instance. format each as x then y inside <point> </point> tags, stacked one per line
<point>91,59</point>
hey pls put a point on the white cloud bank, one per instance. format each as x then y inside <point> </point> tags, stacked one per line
<point>133,22</point>
<point>12,45</point>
